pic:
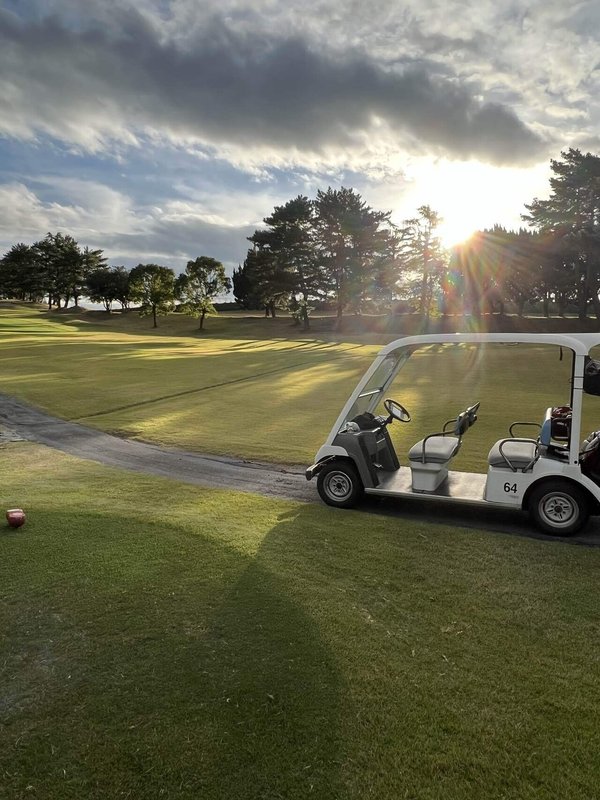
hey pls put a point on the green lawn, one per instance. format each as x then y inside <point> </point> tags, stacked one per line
<point>161,641</point>
<point>258,388</point>
<point>119,375</point>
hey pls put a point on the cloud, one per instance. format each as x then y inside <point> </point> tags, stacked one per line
<point>98,84</point>
<point>98,216</point>
<point>174,241</point>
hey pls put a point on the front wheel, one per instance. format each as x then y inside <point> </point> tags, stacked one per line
<point>558,507</point>
<point>339,485</point>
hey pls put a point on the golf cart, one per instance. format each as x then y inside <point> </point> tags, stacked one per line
<point>550,474</point>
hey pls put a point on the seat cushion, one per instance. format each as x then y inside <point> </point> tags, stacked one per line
<point>520,454</point>
<point>438,449</point>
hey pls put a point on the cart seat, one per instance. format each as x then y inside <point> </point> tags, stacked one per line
<point>434,449</point>
<point>429,457</point>
<point>514,454</point>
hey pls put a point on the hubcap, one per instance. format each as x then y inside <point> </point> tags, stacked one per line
<point>338,485</point>
<point>558,509</point>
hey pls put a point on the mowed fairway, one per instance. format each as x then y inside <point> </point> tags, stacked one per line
<point>258,388</point>
<point>247,396</point>
<point>163,641</point>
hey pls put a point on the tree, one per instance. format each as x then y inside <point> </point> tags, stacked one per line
<point>203,280</point>
<point>122,288</point>
<point>287,255</point>
<point>389,266</point>
<point>20,276</point>
<point>243,291</point>
<point>91,260</point>
<point>559,271</point>
<point>263,281</point>
<point>572,213</point>
<point>349,236</point>
<point>493,267</point>
<point>423,257</point>
<point>60,263</point>
<point>515,268</point>
<point>153,287</point>
<point>102,286</point>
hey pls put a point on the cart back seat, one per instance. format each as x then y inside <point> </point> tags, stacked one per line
<point>519,455</point>
<point>514,454</point>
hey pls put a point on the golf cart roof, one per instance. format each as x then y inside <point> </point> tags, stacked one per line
<point>579,343</point>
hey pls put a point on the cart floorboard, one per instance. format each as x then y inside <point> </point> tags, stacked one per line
<point>464,487</point>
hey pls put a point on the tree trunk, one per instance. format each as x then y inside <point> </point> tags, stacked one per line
<point>339,290</point>
<point>424,300</point>
<point>202,315</point>
<point>582,295</point>
<point>305,319</point>
<point>154,317</point>
<point>546,305</point>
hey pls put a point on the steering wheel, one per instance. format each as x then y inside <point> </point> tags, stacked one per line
<point>396,411</point>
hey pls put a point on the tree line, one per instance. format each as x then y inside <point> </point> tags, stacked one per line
<point>57,270</point>
<point>335,251</point>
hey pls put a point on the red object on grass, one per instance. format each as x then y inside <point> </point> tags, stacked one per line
<point>15,517</point>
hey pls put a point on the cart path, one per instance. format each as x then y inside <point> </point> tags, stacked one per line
<point>22,421</point>
<point>78,440</point>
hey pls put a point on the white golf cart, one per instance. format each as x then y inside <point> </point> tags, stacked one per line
<point>551,476</point>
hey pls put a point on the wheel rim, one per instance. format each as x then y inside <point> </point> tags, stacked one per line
<point>558,510</point>
<point>338,486</point>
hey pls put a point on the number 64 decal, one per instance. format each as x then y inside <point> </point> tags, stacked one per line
<point>510,487</point>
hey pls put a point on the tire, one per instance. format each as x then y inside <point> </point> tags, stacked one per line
<point>558,507</point>
<point>339,485</point>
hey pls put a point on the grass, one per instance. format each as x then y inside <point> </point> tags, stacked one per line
<point>164,641</point>
<point>209,393</point>
<point>257,388</point>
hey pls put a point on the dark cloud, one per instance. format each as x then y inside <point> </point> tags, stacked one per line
<point>174,242</point>
<point>91,84</point>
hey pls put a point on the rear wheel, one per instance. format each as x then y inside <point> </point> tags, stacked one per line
<point>558,507</point>
<point>339,484</point>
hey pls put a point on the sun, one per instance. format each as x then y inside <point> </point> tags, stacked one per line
<point>471,195</point>
<point>455,231</point>
<point>467,195</point>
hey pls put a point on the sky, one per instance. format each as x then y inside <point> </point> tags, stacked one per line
<point>161,130</point>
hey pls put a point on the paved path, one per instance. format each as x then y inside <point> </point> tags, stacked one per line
<point>20,420</point>
<point>32,424</point>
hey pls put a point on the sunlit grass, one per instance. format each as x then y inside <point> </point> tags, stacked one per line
<point>164,641</point>
<point>270,398</point>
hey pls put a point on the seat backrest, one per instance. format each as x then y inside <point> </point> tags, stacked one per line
<point>465,420</point>
<point>462,424</point>
<point>546,432</point>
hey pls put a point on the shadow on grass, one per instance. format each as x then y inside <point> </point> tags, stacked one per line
<point>167,664</point>
<point>316,654</point>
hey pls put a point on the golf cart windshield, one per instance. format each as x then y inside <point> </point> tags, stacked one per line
<point>376,384</point>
